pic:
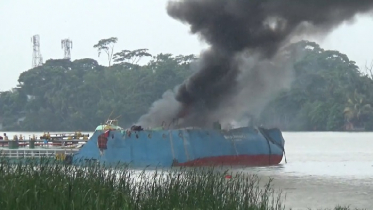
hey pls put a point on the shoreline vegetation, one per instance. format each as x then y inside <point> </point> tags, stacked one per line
<point>47,184</point>
<point>328,92</point>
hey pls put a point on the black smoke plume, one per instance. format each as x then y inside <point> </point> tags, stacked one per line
<point>245,64</point>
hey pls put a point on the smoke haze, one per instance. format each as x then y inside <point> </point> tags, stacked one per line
<point>246,62</point>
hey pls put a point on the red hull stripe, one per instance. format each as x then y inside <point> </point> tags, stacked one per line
<point>240,160</point>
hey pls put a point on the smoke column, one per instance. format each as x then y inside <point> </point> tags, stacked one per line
<point>245,64</point>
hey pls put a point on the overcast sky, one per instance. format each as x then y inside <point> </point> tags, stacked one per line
<point>136,24</point>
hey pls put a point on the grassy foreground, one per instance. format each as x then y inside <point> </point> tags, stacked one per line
<point>47,185</point>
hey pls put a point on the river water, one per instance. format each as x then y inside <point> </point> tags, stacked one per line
<point>323,169</point>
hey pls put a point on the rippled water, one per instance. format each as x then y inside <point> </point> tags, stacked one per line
<point>324,169</point>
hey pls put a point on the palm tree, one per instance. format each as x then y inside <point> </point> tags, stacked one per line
<point>356,109</point>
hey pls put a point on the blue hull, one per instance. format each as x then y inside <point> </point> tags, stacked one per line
<point>185,147</point>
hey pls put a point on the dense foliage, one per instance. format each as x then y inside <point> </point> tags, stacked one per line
<point>65,95</point>
<point>328,92</point>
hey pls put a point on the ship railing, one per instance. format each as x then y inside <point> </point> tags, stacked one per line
<point>38,153</point>
<point>42,140</point>
<point>24,143</point>
<point>64,135</point>
<point>76,135</point>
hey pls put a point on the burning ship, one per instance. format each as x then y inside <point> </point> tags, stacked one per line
<point>161,147</point>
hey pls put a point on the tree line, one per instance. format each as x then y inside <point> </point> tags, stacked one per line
<point>329,92</point>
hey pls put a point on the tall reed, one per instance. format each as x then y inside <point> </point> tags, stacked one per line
<point>45,184</point>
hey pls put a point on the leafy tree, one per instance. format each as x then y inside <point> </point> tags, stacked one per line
<point>129,56</point>
<point>106,45</point>
<point>322,85</point>
<point>327,93</point>
<point>80,94</point>
<point>129,59</point>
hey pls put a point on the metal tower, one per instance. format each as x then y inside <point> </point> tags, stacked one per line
<point>37,58</point>
<point>67,45</point>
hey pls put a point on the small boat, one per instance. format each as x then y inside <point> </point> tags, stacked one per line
<point>246,146</point>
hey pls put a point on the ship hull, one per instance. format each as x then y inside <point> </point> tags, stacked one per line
<point>185,147</point>
<point>235,160</point>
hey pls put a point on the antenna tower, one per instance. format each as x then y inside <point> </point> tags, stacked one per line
<point>67,45</point>
<point>37,58</point>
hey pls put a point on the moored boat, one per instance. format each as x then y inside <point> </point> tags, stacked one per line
<point>54,146</point>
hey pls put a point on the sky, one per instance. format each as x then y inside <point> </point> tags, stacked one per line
<point>136,24</point>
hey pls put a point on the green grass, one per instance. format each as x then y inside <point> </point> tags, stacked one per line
<point>47,185</point>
